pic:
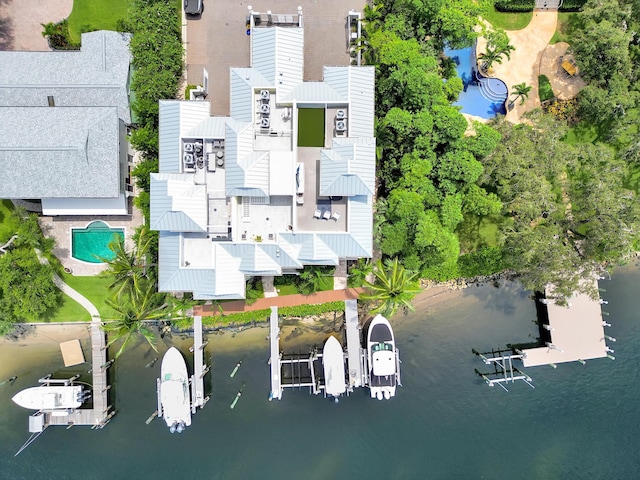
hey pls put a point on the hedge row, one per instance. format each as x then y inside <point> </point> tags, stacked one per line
<point>244,318</point>
<point>572,5</point>
<point>515,5</point>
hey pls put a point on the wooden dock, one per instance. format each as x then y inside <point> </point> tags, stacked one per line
<point>274,338</point>
<point>99,415</point>
<point>354,344</point>
<point>199,369</point>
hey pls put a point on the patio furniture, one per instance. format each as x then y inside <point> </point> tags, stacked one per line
<point>336,216</point>
<point>327,214</point>
<point>569,67</point>
<point>317,214</point>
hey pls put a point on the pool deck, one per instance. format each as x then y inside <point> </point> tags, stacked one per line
<point>59,228</point>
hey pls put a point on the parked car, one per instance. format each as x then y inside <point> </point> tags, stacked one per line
<point>193,7</point>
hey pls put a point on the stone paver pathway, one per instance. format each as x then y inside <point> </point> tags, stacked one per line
<point>238,306</point>
<point>20,22</point>
<point>564,86</point>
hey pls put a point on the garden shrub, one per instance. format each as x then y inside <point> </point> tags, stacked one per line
<point>544,89</point>
<point>572,5</point>
<point>515,5</point>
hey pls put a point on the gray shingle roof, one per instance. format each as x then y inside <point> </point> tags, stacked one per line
<point>62,152</point>
<point>97,75</point>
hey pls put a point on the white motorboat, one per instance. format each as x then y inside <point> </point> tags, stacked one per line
<point>382,358</point>
<point>173,391</point>
<point>51,397</point>
<point>333,363</point>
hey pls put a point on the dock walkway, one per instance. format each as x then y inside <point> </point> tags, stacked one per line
<point>199,369</point>
<point>354,344</point>
<point>274,339</point>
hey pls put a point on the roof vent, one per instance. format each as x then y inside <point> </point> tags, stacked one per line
<point>264,122</point>
<point>264,94</point>
<point>264,108</point>
<point>341,126</point>
<point>341,114</point>
<point>51,101</point>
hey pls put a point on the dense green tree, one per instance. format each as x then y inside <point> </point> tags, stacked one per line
<point>393,288</point>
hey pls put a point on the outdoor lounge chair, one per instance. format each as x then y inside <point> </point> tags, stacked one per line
<point>336,216</point>
<point>327,214</point>
<point>317,214</point>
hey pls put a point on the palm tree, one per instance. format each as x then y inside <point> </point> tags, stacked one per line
<point>490,57</point>
<point>133,309</point>
<point>520,91</point>
<point>372,17</point>
<point>359,272</point>
<point>128,269</point>
<point>310,278</point>
<point>393,288</point>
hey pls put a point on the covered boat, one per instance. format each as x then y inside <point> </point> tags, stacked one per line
<point>382,358</point>
<point>333,363</point>
<point>173,393</point>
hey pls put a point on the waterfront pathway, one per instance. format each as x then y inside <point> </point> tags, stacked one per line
<point>237,306</point>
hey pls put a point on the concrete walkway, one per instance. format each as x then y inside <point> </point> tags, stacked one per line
<point>564,87</point>
<point>530,43</point>
<point>238,306</point>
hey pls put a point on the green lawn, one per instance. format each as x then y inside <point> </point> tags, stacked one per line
<point>566,22</point>
<point>68,311</point>
<point>311,127</point>
<point>286,289</point>
<point>8,222</point>
<point>544,88</point>
<point>507,20</point>
<point>96,291</point>
<point>89,15</point>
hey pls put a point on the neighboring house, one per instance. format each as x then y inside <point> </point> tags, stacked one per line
<point>239,196</point>
<point>63,126</point>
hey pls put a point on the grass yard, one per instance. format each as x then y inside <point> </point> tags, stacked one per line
<point>68,311</point>
<point>566,23</point>
<point>544,88</point>
<point>89,15</point>
<point>286,289</point>
<point>96,291</point>
<point>311,127</point>
<point>507,20</point>
<point>8,221</point>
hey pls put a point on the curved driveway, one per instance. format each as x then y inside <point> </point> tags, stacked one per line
<point>20,22</point>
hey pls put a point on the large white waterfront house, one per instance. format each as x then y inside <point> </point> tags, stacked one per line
<point>63,126</point>
<point>287,180</point>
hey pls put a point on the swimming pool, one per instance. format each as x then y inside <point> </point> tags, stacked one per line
<point>483,97</point>
<point>93,241</point>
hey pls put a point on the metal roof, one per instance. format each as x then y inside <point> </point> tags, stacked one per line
<point>243,83</point>
<point>210,127</point>
<point>348,168</point>
<point>172,277</point>
<point>357,84</point>
<point>278,54</point>
<point>313,92</point>
<point>177,205</point>
<point>95,76</point>
<point>70,152</point>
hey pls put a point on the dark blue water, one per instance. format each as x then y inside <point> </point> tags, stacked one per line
<point>579,422</point>
<point>483,97</point>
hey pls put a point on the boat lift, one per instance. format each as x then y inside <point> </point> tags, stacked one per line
<point>504,371</point>
<point>301,370</point>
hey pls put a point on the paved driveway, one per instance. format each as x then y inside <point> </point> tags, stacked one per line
<point>20,22</point>
<point>218,40</point>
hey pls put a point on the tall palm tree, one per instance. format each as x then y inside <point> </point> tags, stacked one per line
<point>520,91</point>
<point>128,269</point>
<point>393,288</point>
<point>133,309</point>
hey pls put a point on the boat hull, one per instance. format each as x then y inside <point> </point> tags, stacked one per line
<point>174,392</point>
<point>382,359</point>
<point>50,398</point>
<point>333,364</point>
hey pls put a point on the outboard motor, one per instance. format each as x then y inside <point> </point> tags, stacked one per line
<point>173,427</point>
<point>379,395</point>
<point>387,395</point>
<point>180,427</point>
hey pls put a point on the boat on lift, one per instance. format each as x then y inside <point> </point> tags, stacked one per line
<point>382,359</point>
<point>173,391</point>
<point>51,398</point>
<point>333,364</point>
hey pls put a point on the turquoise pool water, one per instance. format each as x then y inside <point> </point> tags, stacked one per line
<point>483,97</point>
<point>93,241</point>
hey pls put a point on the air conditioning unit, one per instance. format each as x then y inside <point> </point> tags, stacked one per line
<point>188,147</point>
<point>341,114</point>
<point>188,159</point>
<point>341,126</point>
<point>264,94</point>
<point>198,146</point>
<point>264,108</point>
<point>264,123</point>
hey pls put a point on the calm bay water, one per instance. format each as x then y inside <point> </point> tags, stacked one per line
<point>445,423</point>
